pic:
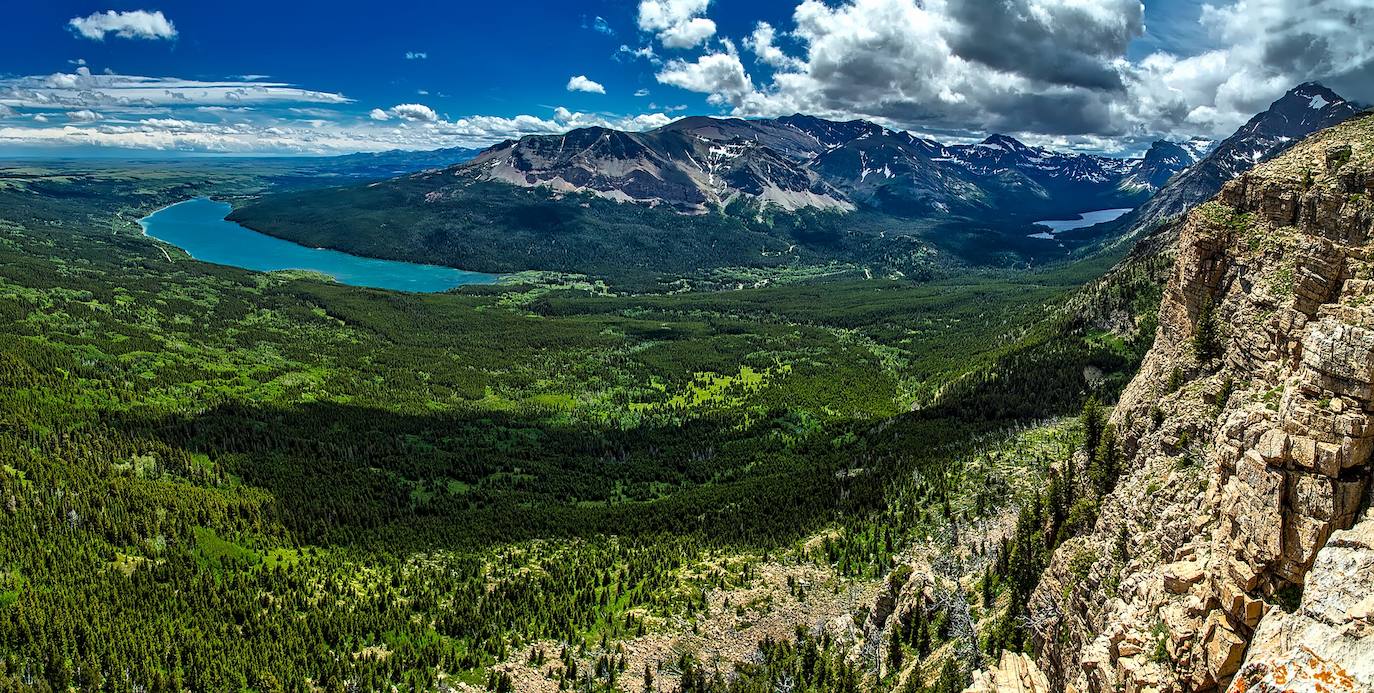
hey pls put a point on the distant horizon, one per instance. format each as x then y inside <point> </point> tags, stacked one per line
<point>133,154</point>
<point>238,81</point>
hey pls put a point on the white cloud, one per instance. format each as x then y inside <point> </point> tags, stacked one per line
<point>174,114</point>
<point>692,32</point>
<point>138,24</point>
<point>677,23</point>
<point>761,43</point>
<point>600,25</point>
<point>645,52</point>
<point>417,55</point>
<point>1057,69</point>
<point>581,83</point>
<point>413,111</point>
<point>81,89</point>
<point>719,75</point>
<point>166,133</point>
<point>641,92</point>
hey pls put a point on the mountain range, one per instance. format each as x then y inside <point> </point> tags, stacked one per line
<point>697,164</point>
<point>703,193</point>
<point>1305,109</point>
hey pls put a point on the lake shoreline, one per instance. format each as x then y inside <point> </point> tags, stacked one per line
<point>1082,221</point>
<point>199,226</point>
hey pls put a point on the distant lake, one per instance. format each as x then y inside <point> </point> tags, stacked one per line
<point>1085,219</point>
<point>198,226</point>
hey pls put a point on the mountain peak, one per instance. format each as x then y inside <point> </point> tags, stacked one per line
<point>1006,142</point>
<point>1313,95</point>
<point>1305,109</point>
<point>1310,88</point>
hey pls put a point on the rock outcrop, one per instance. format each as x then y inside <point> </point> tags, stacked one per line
<point>1015,673</point>
<point>1328,638</point>
<point>1248,434</point>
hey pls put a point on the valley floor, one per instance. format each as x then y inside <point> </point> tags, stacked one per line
<point>213,479</point>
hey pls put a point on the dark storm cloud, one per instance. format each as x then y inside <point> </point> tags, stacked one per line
<point>1055,43</point>
<point>1079,70</point>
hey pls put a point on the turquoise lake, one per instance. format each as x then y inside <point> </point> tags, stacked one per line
<point>198,226</point>
<point>1085,219</point>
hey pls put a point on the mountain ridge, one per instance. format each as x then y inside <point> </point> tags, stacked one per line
<point>797,161</point>
<point>1245,454</point>
<point>698,163</point>
<point>1304,109</point>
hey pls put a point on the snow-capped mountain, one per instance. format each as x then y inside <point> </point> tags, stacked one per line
<point>1304,110</point>
<point>687,168</point>
<point>1163,160</point>
<point>702,163</point>
<point>800,161</point>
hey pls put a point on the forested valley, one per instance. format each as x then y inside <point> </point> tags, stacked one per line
<point>212,479</point>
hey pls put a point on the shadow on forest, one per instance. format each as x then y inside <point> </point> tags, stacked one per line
<point>345,474</point>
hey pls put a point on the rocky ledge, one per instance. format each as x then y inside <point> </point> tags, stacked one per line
<point>1249,561</point>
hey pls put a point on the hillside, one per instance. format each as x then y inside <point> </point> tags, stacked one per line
<point>269,480</point>
<point>1246,454</point>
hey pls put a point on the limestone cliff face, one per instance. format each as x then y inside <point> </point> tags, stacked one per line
<point>1228,547</point>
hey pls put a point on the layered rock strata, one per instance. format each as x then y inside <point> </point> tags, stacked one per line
<point>1248,435</point>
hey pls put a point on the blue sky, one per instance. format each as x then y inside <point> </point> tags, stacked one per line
<point>493,58</point>
<point>323,77</point>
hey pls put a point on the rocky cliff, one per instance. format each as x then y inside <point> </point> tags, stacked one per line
<point>1238,551</point>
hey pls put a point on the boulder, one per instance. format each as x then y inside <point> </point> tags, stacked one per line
<point>1180,577</point>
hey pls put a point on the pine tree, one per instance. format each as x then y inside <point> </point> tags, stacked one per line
<point>894,654</point>
<point>1107,465</point>
<point>1207,345</point>
<point>1093,422</point>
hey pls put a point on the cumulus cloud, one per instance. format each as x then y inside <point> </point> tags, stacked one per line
<point>1057,70</point>
<point>83,116</point>
<point>378,114</point>
<point>138,24</point>
<point>413,111</point>
<point>677,23</point>
<point>721,76</point>
<point>1049,41</point>
<point>761,43</point>
<point>601,26</point>
<point>581,83</point>
<point>645,52</point>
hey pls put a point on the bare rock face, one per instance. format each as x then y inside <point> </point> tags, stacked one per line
<point>1330,636</point>
<point>1248,434</point>
<point>1301,670</point>
<point>1016,673</point>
